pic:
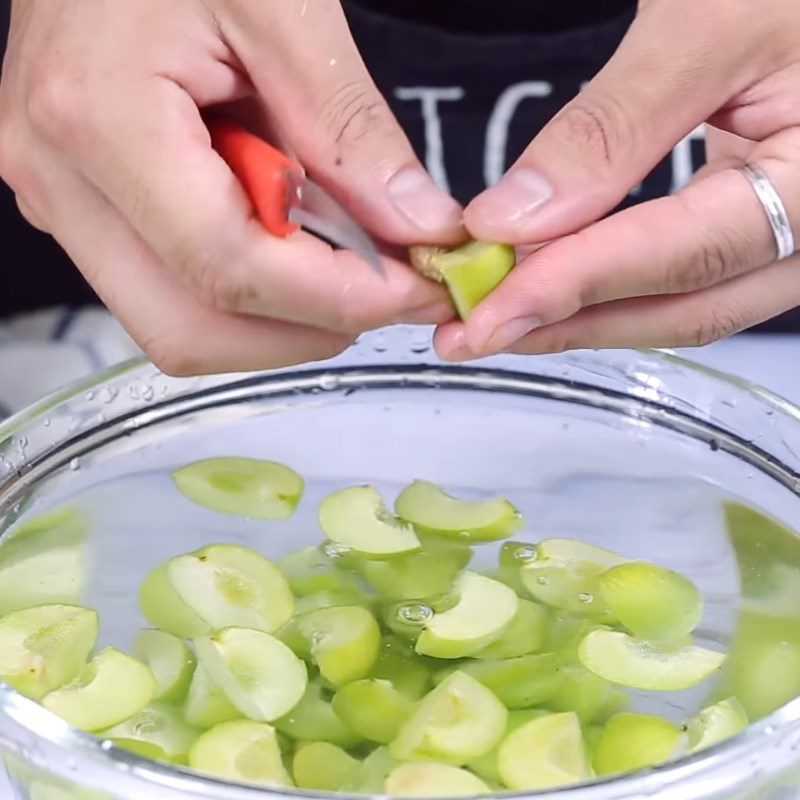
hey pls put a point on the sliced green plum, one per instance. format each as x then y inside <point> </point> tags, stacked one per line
<point>457,722</point>
<point>510,560</point>
<point>94,700</point>
<point>641,664</point>
<point>310,571</point>
<point>633,741</point>
<point>402,667</point>
<point>369,777</point>
<point>652,602</point>
<point>243,751</point>
<point>45,647</point>
<point>432,511</point>
<point>716,723</point>
<point>313,718</point>
<point>544,753</point>
<point>373,708</point>
<point>524,634</point>
<point>344,596</point>
<point>163,607</point>
<point>206,704</point>
<point>429,779</point>
<point>228,585</point>
<point>591,697</point>
<point>158,724</point>
<point>485,767</point>
<point>520,682</point>
<point>356,518</point>
<point>246,487</point>
<point>564,636</point>
<point>143,749</point>
<point>426,573</point>
<point>170,660</point>
<point>260,675</point>
<point>343,641</point>
<point>565,574</point>
<point>484,610</point>
<point>323,766</point>
<point>42,561</point>
<point>470,272</point>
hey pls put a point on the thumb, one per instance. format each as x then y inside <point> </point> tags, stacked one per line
<point>318,93</point>
<point>661,83</point>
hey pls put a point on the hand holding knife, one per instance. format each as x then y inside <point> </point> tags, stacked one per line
<point>284,198</point>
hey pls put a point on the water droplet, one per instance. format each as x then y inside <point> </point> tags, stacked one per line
<point>106,744</point>
<point>543,580</point>
<point>47,422</point>
<point>463,535</point>
<point>379,345</point>
<point>329,382</point>
<point>420,343</point>
<point>110,393</point>
<point>74,465</point>
<point>414,613</point>
<point>22,443</point>
<point>333,62</point>
<point>133,391</point>
<point>714,445</point>
<point>335,549</point>
<point>525,552</point>
<point>16,508</point>
<point>148,393</point>
<point>585,597</point>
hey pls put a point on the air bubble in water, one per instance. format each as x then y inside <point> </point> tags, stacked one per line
<point>585,597</point>
<point>110,394</point>
<point>74,465</point>
<point>414,613</point>
<point>329,382</point>
<point>47,422</point>
<point>525,552</point>
<point>148,393</point>
<point>90,396</point>
<point>336,549</point>
<point>543,580</point>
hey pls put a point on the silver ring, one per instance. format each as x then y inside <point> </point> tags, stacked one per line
<point>774,209</point>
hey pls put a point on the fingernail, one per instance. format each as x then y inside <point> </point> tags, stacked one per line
<point>417,197</point>
<point>519,195</point>
<point>509,332</point>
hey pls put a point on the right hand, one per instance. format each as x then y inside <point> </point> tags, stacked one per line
<point>102,140</point>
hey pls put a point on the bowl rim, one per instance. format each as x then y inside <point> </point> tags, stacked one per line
<point>53,732</point>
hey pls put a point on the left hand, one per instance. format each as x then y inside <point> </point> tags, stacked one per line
<point>678,271</point>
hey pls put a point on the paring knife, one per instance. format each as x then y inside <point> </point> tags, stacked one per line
<point>284,198</point>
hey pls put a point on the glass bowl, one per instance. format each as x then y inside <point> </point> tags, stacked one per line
<point>640,452</point>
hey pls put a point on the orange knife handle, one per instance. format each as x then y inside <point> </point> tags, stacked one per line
<point>262,171</point>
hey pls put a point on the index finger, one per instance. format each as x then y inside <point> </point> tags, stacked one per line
<point>667,77</point>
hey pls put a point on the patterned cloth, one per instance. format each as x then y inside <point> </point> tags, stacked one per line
<point>43,351</point>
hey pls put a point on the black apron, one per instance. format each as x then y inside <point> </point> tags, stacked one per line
<point>470,86</point>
